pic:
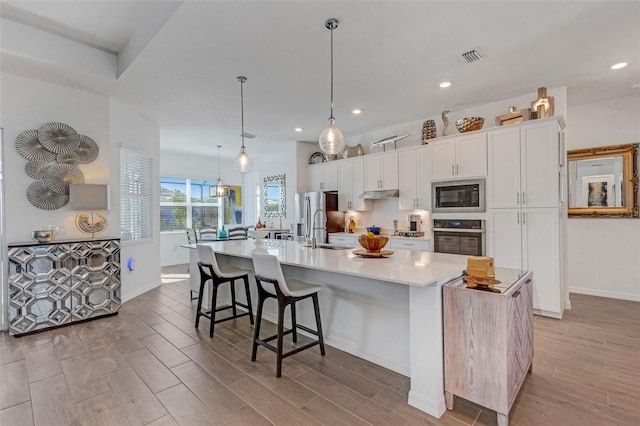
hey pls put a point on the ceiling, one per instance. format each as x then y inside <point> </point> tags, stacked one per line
<point>177,62</point>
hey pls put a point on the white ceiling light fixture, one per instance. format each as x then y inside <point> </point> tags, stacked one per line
<point>219,190</point>
<point>619,66</point>
<point>331,139</point>
<point>357,111</point>
<point>445,84</point>
<point>298,129</point>
<point>242,162</point>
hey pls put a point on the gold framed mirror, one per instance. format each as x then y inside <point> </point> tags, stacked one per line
<point>603,181</point>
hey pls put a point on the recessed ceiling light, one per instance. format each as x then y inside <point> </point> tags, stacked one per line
<point>298,129</point>
<point>619,66</point>
<point>357,111</point>
<point>445,84</point>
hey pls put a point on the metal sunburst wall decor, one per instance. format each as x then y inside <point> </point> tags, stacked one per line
<point>54,152</point>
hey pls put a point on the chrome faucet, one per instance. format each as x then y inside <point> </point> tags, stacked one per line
<point>314,227</point>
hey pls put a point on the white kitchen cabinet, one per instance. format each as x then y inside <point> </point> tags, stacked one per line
<point>524,163</point>
<point>459,157</point>
<point>419,244</point>
<point>381,171</point>
<point>323,177</point>
<point>351,185</point>
<point>414,185</point>
<point>526,214</point>
<point>529,239</point>
<point>348,240</point>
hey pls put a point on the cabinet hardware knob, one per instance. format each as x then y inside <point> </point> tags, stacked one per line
<point>523,199</point>
<point>518,216</point>
<point>528,281</point>
<point>516,294</point>
<point>452,173</point>
<point>457,171</point>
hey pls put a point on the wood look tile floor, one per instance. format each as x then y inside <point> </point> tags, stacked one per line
<point>150,366</point>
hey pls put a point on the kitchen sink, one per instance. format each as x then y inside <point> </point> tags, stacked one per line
<point>328,246</point>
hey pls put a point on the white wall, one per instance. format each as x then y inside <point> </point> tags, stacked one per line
<point>174,164</point>
<point>132,131</point>
<point>489,111</point>
<point>28,104</point>
<point>604,254</point>
<point>277,164</point>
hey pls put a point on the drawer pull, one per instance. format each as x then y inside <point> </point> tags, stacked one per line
<point>528,281</point>
<point>516,294</point>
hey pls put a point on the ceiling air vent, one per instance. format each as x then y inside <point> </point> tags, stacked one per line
<point>471,56</point>
<point>248,135</point>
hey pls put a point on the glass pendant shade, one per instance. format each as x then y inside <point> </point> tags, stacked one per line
<point>242,162</point>
<point>219,189</point>
<point>331,139</point>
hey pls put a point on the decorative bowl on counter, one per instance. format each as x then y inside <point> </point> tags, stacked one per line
<point>258,234</point>
<point>374,229</point>
<point>43,236</point>
<point>374,243</point>
<point>469,124</point>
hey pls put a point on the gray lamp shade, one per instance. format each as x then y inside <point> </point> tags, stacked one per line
<point>88,197</point>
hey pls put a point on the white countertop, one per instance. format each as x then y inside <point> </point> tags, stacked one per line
<point>406,267</point>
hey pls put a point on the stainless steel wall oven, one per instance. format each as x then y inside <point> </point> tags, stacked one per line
<point>459,236</point>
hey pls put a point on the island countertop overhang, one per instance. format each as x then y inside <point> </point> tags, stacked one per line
<point>406,267</point>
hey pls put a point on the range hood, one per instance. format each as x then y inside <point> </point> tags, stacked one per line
<point>380,195</point>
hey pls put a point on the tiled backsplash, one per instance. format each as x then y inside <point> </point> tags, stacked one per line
<point>383,214</point>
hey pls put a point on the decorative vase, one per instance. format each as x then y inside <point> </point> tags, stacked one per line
<point>543,106</point>
<point>429,131</point>
<point>352,226</point>
<point>223,233</point>
<point>259,224</point>
<point>445,121</point>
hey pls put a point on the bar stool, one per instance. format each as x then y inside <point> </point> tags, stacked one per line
<point>209,270</point>
<point>271,284</point>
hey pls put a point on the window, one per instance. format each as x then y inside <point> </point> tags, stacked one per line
<point>136,196</point>
<point>185,203</point>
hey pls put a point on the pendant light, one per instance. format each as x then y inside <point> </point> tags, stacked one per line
<point>331,139</point>
<point>219,190</point>
<point>242,162</point>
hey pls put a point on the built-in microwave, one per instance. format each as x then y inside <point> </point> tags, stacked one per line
<point>458,196</point>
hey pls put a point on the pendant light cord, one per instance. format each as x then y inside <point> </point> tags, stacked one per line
<point>331,118</point>
<point>218,166</point>
<point>242,80</point>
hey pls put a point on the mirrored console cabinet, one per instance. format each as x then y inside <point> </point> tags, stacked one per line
<point>62,282</point>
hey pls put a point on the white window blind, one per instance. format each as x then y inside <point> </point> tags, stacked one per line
<point>136,196</point>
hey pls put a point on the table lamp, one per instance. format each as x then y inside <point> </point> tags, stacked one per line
<point>89,197</point>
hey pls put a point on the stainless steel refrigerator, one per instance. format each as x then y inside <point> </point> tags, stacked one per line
<point>306,204</point>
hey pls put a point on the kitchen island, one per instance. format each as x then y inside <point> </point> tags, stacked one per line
<point>388,310</point>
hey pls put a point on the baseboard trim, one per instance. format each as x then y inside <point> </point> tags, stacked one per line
<point>605,293</point>
<point>140,291</point>
<point>436,408</point>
